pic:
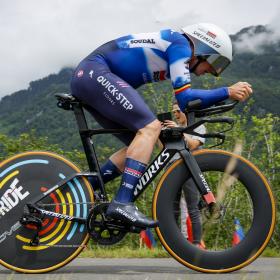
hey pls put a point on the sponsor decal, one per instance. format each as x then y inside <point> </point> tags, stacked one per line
<point>145,78</point>
<point>57,215</point>
<point>127,185</point>
<point>159,75</point>
<point>206,39</point>
<point>132,172</point>
<point>12,196</point>
<point>109,98</point>
<point>187,65</point>
<point>115,93</point>
<point>204,182</point>
<point>108,172</point>
<point>163,157</point>
<point>80,73</point>
<point>91,73</point>
<point>127,215</point>
<point>9,232</point>
<point>141,41</point>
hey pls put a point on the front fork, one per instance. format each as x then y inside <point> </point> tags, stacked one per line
<point>198,177</point>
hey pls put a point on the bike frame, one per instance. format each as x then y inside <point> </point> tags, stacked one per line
<point>173,143</point>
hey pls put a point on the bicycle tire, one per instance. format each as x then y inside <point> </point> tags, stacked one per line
<point>30,174</point>
<point>230,259</point>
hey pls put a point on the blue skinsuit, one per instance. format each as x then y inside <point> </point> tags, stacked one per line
<point>106,79</point>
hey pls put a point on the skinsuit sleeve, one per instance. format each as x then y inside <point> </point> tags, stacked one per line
<point>179,53</point>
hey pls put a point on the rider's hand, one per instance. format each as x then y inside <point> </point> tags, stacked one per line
<point>240,91</point>
<point>169,123</point>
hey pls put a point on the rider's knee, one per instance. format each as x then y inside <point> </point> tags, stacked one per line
<point>151,130</point>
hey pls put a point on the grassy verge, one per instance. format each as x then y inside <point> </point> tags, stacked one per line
<point>127,252</point>
<point>268,252</point>
<point>123,252</point>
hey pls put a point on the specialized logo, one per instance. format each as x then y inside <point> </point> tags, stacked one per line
<point>127,215</point>
<point>9,232</point>
<point>142,41</point>
<point>204,182</point>
<point>12,197</point>
<point>163,157</point>
<point>57,215</point>
<point>206,39</point>
<point>118,96</point>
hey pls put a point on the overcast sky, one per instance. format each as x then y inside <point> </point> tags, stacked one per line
<point>39,37</point>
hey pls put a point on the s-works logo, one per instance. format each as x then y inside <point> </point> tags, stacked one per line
<point>11,197</point>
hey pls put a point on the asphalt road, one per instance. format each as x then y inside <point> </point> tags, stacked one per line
<point>146,269</point>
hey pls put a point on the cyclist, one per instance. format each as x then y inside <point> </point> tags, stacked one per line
<point>190,197</point>
<point>107,79</point>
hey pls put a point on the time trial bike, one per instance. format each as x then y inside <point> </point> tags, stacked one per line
<point>49,210</point>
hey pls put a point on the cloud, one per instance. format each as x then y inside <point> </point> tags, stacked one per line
<point>257,38</point>
<point>40,37</point>
<point>251,42</point>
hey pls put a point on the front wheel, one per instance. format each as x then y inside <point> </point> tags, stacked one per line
<point>240,228</point>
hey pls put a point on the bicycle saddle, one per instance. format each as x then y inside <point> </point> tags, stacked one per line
<point>65,100</point>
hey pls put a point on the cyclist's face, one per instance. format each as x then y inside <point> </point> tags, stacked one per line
<point>179,115</point>
<point>203,68</point>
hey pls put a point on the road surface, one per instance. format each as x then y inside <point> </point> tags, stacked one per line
<point>146,269</point>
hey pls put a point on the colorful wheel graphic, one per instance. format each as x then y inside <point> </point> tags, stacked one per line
<point>24,177</point>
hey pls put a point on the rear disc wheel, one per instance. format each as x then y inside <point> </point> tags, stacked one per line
<point>23,178</point>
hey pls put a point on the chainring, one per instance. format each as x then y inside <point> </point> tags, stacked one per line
<point>102,229</point>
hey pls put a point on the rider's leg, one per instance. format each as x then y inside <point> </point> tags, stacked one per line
<point>192,199</point>
<point>115,100</point>
<point>138,155</point>
<point>111,169</point>
<point>118,158</point>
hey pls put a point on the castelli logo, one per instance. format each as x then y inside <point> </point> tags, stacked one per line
<point>80,73</point>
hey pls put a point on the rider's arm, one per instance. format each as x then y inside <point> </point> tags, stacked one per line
<point>179,54</point>
<point>207,97</point>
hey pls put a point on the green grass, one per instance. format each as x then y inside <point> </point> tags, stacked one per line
<point>123,252</point>
<point>268,252</point>
<point>128,252</point>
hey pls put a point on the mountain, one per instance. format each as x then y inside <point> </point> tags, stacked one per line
<point>256,60</point>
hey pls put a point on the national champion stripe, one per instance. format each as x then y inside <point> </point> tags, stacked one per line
<point>178,90</point>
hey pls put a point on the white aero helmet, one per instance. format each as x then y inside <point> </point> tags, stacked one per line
<point>211,43</point>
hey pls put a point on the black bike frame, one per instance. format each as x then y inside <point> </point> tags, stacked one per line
<point>173,143</point>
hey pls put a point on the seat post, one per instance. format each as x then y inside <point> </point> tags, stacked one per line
<point>87,142</point>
